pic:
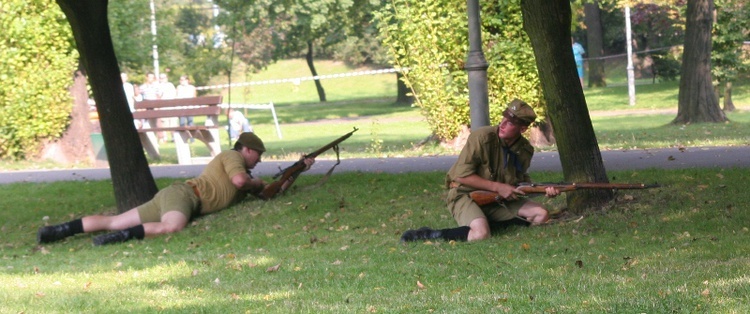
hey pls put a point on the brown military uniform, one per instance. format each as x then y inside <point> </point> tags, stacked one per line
<point>212,191</point>
<point>487,156</point>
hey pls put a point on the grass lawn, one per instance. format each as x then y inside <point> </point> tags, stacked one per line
<point>681,248</point>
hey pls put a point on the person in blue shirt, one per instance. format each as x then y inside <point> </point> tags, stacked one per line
<point>578,53</point>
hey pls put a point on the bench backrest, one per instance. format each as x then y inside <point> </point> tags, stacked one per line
<point>182,107</point>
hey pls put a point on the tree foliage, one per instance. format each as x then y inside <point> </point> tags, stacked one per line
<point>186,39</point>
<point>429,42</point>
<point>37,60</point>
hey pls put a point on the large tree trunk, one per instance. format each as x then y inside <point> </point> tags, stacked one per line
<point>697,101</point>
<point>309,58</point>
<point>547,22</point>
<point>403,91</point>
<point>131,177</point>
<point>595,42</point>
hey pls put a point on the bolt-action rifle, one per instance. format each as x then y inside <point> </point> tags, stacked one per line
<point>290,173</point>
<point>482,197</point>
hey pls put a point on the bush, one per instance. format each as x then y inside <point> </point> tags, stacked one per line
<point>37,60</point>
<point>430,40</point>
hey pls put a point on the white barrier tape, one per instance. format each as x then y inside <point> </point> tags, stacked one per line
<point>298,80</point>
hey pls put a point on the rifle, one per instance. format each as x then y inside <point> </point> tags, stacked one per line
<point>291,172</point>
<point>482,197</point>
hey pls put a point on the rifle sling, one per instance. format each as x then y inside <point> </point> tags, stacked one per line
<point>324,179</point>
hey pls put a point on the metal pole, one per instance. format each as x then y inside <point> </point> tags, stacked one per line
<point>476,66</point>
<point>631,75</point>
<point>155,48</point>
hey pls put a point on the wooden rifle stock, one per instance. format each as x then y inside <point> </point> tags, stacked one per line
<point>291,172</point>
<point>482,197</point>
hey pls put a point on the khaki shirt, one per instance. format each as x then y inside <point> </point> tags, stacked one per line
<point>487,156</point>
<point>215,182</point>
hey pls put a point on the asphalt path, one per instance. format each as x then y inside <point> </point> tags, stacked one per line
<point>668,158</point>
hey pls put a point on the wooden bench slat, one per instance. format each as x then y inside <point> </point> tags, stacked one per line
<point>167,103</point>
<point>172,113</point>
<point>179,128</point>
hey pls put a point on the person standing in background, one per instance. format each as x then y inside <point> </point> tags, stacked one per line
<point>150,89</point>
<point>129,91</point>
<point>185,90</point>
<point>166,91</point>
<point>578,53</point>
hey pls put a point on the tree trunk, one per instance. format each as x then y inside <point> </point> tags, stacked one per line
<point>595,42</point>
<point>697,101</point>
<point>131,177</point>
<point>547,22</point>
<point>728,103</point>
<point>309,58</point>
<point>403,91</point>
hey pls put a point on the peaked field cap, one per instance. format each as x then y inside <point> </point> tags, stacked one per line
<point>519,112</point>
<point>251,141</point>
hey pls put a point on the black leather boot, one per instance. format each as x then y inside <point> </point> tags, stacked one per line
<point>54,233</point>
<point>423,233</point>
<point>113,237</point>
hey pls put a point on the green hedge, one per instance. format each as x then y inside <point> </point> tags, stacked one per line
<point>37,60</point>
<point>430,39</point>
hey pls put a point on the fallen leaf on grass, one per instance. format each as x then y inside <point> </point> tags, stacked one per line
<point>525,246</point>
<point>706,293</point>
<point>273,268</point>
<point>420,285</point>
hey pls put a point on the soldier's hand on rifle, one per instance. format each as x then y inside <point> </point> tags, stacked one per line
<point>257,185</point>
<point>507,191</point>
<point>552,192</point>
<point>308,162</point>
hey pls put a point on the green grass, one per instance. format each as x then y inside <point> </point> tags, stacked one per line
<point>680,248</point>
<point>337,89</point>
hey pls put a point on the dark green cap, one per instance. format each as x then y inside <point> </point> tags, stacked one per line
<point>519,112</point>
<point>251,141</point>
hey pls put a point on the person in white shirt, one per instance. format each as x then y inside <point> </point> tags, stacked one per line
<point>129,91</point>
<point>238,124</point>
<point>185,90</point>
<point>166,91</point>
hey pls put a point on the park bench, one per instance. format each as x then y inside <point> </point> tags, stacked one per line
<point>149,111</point>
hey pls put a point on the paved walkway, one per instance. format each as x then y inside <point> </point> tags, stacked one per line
<point>669,158</point>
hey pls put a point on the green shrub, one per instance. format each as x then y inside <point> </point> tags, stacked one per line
<point>430,40</point>
<point>37,60</point>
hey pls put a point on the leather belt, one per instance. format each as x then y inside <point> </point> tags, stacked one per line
<point>195,190</point>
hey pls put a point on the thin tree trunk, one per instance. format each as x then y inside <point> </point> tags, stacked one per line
<point>728,103</point>
<point>595,42</point>
<point>131,177</point>
<point>547,22</point>
<point>697,101</point>
<point>309,58</point>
